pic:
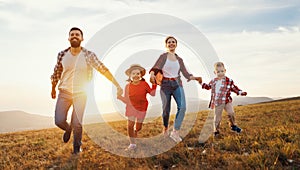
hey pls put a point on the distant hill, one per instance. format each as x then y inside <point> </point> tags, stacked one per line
<point>244,100</point>
<point>283,99</point>
<point>12,121</point>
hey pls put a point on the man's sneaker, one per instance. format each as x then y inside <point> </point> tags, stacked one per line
<point>66,136</point>
<point>131,147</point>
<point>76,150</point>
<point>236,129</point>
<point>175,136</point>
<point>217,133</point>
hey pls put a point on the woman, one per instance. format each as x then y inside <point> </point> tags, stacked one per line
<point>170,65</point>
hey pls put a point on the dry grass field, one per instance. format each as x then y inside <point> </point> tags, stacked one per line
<point>270,140</point>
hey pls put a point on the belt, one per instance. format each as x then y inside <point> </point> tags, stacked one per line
<point>171,79</point>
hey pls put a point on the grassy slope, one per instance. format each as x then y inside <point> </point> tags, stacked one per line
<point>270,139</point>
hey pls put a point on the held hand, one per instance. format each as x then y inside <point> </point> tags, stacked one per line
<point>244,93</point>
<point>119,91</point>
<point>199,79</point>
<point>191,78</point>
<point>152,79</point>
<point>53,93</point>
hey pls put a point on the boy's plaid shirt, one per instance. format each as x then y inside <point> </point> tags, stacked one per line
<point>223,96</point>
<point>90,58</point>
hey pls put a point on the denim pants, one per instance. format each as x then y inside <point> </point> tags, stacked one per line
<point>172,88</point>
<point>64,101</point>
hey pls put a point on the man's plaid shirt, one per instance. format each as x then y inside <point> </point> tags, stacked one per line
<point>223,96</point>
<point>90,58</point>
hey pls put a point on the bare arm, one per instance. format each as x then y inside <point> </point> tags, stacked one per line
<point>125,98</point>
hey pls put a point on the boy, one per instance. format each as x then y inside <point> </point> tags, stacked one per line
<point>221,88</point>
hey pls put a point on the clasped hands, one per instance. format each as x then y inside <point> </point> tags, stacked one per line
<point>199,79</point>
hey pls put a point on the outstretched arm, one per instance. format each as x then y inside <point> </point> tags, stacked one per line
<point>152,90</point>
<point>184,70</point>
<point>199,79</point>
<point>100,67</point>
<point>207,86</point>
<point>111,78</point>
<point>237,90</point>
<point>125,98</point>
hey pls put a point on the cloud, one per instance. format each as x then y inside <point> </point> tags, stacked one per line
<point>25,16</point>
<point>262,62</point>
<point>227,16</point>
<point>257,40</point>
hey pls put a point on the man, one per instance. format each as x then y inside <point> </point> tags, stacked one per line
<point>73,71</point>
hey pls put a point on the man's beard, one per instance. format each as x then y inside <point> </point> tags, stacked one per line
<point>75,44</point>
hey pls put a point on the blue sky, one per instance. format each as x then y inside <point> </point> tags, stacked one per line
<point>257,40</point>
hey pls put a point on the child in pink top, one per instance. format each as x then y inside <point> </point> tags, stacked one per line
<point>136,101</point>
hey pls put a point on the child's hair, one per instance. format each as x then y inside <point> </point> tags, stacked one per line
<point>219,64</point>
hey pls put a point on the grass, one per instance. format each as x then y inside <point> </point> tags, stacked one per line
<point>270,140</point>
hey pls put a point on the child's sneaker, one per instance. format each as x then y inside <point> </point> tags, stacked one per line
<point>166,132</point>
<point>175,136</point>
<point>236,129</point>
<point>131,147</point>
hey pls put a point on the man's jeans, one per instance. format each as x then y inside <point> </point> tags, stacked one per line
<point>63,104</point>
<point>173,88</point>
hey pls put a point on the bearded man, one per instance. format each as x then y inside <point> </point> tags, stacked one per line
<point>73,71</point>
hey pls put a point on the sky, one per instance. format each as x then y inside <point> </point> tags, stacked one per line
<point>257,40</point>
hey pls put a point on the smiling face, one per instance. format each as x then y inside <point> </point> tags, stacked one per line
<point>135,75</point>
<point>75,38</point>
<point>171,44</point>
<point>220,72</point>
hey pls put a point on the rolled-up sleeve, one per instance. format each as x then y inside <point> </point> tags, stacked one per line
<point>58,69</point>
<point>96,63</point>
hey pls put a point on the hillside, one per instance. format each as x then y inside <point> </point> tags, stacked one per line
<point>270,140</point>
<point>13,121</point>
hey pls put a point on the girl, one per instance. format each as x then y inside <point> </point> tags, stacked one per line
<point>136,101</point>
